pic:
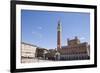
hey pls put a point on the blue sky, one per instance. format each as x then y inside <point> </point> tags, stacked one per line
<point>40,27</point>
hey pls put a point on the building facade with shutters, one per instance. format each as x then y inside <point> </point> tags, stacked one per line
<point>28,52</point>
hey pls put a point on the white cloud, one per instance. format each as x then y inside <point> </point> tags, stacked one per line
<point>39,28</point>
<point>82,38</point>
<point>38,35</point>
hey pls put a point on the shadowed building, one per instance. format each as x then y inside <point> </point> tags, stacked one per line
<point>41,53</point>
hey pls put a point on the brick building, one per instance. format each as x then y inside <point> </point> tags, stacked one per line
<point>75,50</point>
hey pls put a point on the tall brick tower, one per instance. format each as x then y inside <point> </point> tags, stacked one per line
<point>59,29</point>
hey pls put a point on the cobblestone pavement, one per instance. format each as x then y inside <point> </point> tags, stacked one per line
<point>34,60</point>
